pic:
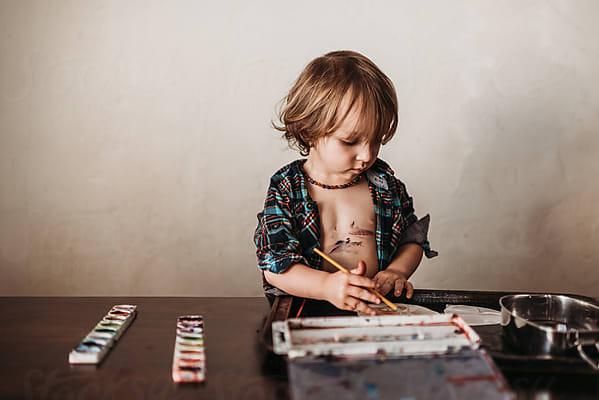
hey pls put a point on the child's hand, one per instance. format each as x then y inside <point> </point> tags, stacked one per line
<point>387,280</point>
<point>346,291</point>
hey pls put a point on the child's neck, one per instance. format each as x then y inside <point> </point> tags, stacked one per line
<point>317,171</point>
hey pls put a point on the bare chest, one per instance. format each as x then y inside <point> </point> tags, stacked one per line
<point>347,226</point>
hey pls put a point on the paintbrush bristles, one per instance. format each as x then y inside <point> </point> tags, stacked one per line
<point>343,269</point>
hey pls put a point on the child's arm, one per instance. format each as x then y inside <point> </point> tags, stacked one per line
<point>401,268</point>
<point>413,243</point>
<point>344,291</point>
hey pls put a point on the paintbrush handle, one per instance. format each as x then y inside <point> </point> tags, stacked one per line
<point>343,269</point>
<point>329,259</point>
<point>384,299</point>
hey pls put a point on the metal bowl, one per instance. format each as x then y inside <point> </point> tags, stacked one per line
<point>548,325</point>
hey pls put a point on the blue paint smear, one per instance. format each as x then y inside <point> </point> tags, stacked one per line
<point>372,392</point>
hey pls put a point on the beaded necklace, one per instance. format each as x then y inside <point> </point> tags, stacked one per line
<point>322,185</point>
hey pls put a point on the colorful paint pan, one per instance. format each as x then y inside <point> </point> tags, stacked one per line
<point>190,335</point>
<point>110,324</point>
<point>89,347</point>
<point>189,358</point>
<point>96,344</point>
<point>191,362</point>
<point>118,312</point>
<point>125,307</point>
<point>96,339</point>
<point>190,354</point>
<point>104,335</point>
<point>181,347</point>
<point>104,328</point>
<point>187,341</point>
<point>115,318</point>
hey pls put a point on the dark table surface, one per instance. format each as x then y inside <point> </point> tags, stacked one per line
<point>37,333</point>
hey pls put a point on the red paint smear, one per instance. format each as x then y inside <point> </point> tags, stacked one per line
<point>497,378</point>
<point>460,380</point>
<point>460,323</point>
<point>300,309</point>
<point>191,352</point>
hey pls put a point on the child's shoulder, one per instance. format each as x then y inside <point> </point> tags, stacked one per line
<point>289,177</point>
<point>289,171</point>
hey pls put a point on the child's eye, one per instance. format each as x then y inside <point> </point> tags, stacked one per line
<point>348,143</point>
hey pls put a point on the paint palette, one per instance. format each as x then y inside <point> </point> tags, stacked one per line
<point>474,315</point>
<point>387,357</point>
<point>402,309</point>
<point>189,357</point>
<point>94,347</point>
<point>391,335</point>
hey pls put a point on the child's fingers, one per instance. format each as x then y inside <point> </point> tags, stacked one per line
<point>409,289</point>
<point>358,280</point>
<point>360,306</point>
<point>382,285</point>
<point>364,309</point>
<point>399,285</point>
<point>361,293</point>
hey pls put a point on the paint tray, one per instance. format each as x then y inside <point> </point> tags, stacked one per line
<point>189,356</point>
<point>96,345</point>
<point>389,335</point>
<point>386,357</point>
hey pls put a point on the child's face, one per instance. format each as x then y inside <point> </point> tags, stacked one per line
<point>344,153</point>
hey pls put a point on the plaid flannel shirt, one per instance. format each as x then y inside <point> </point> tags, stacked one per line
<point>289,226</point>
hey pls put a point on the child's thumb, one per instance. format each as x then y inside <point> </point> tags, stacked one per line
<point>361,268</point>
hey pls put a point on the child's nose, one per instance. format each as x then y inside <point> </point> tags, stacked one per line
<point>364,153</point>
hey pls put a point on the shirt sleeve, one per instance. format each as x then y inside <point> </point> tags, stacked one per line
<point>417,233</point>
<point>277,245</point>
<point>417,229</point>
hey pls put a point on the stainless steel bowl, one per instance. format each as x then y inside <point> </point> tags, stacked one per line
<point>548,325</point>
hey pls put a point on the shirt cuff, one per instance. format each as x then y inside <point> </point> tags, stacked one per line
<point>280,264</point>
<point>417,233</point>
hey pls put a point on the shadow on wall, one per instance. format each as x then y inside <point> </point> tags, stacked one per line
<point>527,194</point>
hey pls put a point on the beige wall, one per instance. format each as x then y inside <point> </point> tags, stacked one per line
<point>135,146</point>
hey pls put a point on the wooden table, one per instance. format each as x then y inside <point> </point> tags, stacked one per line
<point>37,333</point>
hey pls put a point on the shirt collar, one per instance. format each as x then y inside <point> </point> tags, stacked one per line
<point>378,174</point>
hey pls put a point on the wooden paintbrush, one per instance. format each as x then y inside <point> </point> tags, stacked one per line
<point>343,269</point>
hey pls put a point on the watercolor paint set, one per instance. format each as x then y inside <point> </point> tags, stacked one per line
<point>392,335</point>
<point>386,356</point>
<point>189,357</point>
<point>98,342</point>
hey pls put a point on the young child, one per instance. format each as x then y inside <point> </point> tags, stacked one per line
<point>341,198</point>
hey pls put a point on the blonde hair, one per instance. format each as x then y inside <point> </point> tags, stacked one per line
<point>315,105</point>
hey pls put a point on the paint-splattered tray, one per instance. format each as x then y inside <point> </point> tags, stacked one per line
<point>467,375</point>
<point>386,357</point>
<point>384,335</point>
<point>507,358</point>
